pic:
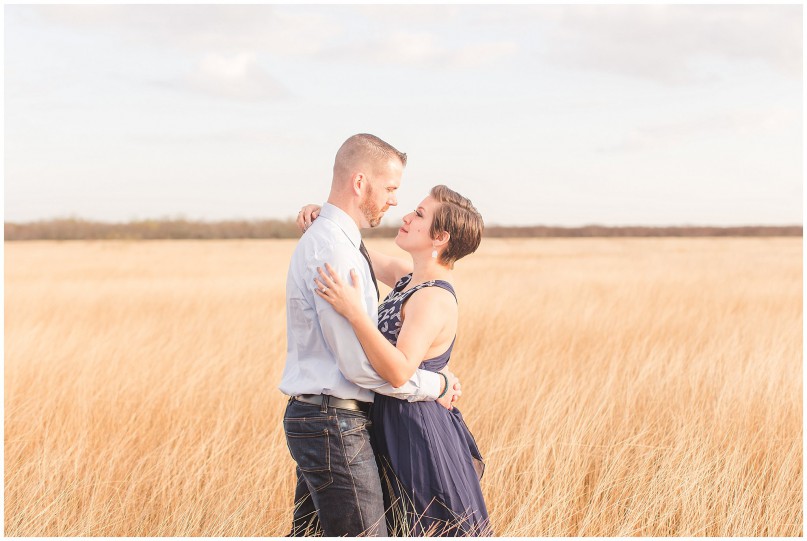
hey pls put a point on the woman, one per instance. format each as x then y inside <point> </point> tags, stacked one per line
<point>429,458</point>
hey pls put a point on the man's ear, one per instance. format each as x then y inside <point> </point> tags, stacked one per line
<point>358,181</point>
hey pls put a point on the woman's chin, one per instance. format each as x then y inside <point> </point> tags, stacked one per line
<point>400,242</point>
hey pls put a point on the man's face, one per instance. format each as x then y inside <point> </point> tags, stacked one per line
<point>381,191</point>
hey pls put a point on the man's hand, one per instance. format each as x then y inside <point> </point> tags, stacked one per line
<point>307,215</point>
<point>454,391</point>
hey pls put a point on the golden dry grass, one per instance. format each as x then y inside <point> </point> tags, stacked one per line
<point>615,387</point>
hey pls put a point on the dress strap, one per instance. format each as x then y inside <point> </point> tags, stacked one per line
<point>445,285</point>
<point>403,282</point>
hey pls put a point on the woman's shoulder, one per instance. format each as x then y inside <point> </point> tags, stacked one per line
<point>445,285</point>
<point>437,304</point>
<point>436,286</point>
<point>402,284</point>
<point>433,292</point>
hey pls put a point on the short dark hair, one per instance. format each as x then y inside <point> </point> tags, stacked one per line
<point>457,216</point>
<point>364,146</point>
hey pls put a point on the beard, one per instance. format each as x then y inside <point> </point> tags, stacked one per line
<point>371,211</point>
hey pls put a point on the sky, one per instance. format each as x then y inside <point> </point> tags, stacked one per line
<point>540,114</point>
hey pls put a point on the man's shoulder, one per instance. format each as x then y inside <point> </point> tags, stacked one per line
<point>326,242</point>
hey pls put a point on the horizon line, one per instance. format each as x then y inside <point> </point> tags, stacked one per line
<point>382,225</point>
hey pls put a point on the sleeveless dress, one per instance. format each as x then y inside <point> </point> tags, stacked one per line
<point>429,461</point>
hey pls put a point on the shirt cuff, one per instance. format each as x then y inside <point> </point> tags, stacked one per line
<point>431,384</point>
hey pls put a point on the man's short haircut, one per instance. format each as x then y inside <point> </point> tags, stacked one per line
<point>364,147</point>
<point>457,216</point>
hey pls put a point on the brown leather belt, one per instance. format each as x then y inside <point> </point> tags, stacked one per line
<point>334,402</point>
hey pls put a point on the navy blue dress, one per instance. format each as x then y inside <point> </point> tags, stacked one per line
<point>430,464</point>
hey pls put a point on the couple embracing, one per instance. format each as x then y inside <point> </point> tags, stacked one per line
<point>379,447</point>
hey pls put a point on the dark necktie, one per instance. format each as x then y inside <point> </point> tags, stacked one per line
<point>366,255</point>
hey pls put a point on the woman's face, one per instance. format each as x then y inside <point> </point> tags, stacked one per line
<point>413,236</point>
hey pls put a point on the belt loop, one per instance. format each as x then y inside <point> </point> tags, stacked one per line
<point>324,408</point>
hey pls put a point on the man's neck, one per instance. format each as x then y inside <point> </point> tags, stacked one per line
<point>348,208</point>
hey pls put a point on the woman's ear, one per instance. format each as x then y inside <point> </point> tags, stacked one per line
<point>442,238</point>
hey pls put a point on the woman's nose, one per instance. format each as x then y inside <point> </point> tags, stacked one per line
<point>407,218</point>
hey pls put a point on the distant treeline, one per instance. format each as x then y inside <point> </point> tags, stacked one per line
<point>78,229</point>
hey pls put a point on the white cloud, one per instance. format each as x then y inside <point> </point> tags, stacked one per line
<point>236,76</point>
<point>484,54</point>
<point>658,42</point>
<point>237,136</point>
<point>664,42</point>
<point>423,49</point>
<point>412,14</point>
<point>741,122</point>
<point>308,31</point>
<point>195,28</point>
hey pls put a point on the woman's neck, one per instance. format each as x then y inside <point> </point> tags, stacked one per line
<point>427,268</point>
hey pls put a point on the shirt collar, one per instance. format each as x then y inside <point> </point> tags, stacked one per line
<point>341,219</point>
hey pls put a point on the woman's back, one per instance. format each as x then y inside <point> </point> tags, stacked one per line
<point>439,298</point>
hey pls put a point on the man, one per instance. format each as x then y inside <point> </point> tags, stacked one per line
<point>328,377</point>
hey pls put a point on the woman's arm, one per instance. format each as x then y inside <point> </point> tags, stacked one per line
<point>387,269</point>
<point>425,318</point>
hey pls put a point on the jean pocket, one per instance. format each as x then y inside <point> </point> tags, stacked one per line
<point>312,453</point>
<point>355,435</point>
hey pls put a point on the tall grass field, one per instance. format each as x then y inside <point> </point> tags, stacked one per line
<point>615,386</point>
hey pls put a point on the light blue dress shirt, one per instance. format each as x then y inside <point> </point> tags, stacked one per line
<point>323,354</point>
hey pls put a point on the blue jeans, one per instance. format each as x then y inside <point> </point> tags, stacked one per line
<point>338,487</point>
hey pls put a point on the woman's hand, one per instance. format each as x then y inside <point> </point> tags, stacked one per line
<point>345,299</point>
<point>307,215</point>
<point>453,394</point>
